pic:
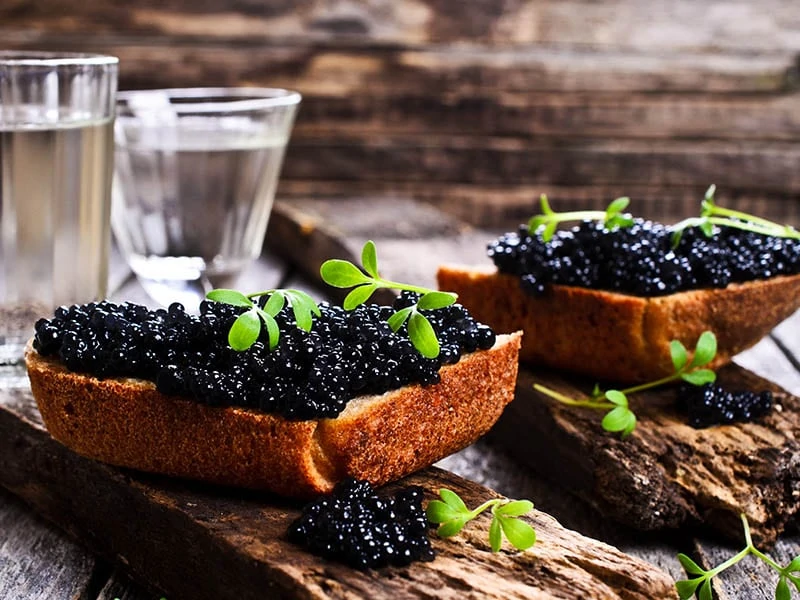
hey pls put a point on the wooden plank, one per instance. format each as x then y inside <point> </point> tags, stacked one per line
<point>566,115</point>
<point>413,237</point>
<point>38,562</point>
<point>503,161</point>
<point>182,529</point>
<point>631,24</point>
<point>120,587</point>
<point>357,69</point>
<point>503,207</point>
<point>769,360</point>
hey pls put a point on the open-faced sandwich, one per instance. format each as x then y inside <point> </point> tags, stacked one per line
<point>271,390</point>
<point>625,305</point>
<point>606,297</point>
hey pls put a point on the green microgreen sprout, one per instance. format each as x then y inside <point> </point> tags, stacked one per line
<point>344,274</point>
<point>452,514</point>
<point>712,214</point>
<point>247,327</point>
<point>548,220</point>
<point>700,579</point>
<point>620,417</point>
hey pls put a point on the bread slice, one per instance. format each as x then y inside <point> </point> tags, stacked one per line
<point>127,422</point>
<point>616,337</point>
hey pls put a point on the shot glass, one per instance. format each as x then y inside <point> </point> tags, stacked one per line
<point>56,168</point>
<point>196,172</point>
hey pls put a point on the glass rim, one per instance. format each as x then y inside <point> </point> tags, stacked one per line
<point>209,99</point>
<point>39,58</point>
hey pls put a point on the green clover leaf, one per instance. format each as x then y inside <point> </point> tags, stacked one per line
<point>342,274</point>
<point>678,354</point>
<point>705,350</point>
<point>232,297</point>
<point>245,330</point>
<point>699,377</point>
<point>369,258</point>
<point>358,295</point>
<point>422,335</point>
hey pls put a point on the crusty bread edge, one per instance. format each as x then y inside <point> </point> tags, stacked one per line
<point>127,422</point>
<point>616,336</point>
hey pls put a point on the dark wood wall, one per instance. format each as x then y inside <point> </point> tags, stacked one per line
<point>481,105</point>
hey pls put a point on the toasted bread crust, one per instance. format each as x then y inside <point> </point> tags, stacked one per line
<point>619,337</point>
<point>127,422</point>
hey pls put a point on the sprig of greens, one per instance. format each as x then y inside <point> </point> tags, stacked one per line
<point>712,214</point>
<point>452,514</point>
<point>548,220</point>
<point>247,327</point>
<point>620,418</point>
<point>701,582</point>
<point>344,274</point>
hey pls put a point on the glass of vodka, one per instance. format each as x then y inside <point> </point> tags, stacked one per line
<point>196,172</point>
<point>56,167</point>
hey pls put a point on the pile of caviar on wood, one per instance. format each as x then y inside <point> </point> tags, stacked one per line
<point>356,526</point>
<point>309,375</point>
<point>712,404</point>
<point>640,259</point>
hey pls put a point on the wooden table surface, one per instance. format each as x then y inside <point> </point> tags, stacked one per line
<point>38,561</point>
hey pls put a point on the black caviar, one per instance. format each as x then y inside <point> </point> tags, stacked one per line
<point>356,526</point>
<point>309,375</point>
<point>712,404</point>
<point>640,260</point>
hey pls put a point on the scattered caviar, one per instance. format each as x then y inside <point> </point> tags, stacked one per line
<point>640,260</point>
<point>309,375</point>
<point>711,404</point>
<point>356,526</point>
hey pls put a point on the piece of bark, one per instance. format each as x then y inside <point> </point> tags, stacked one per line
<point>667,474</point>
<point>194,541</point>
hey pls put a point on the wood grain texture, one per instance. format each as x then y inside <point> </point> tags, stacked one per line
<point>319,70</point>
<point>630,24</point>
<point>181,529</point>
<point>38,562</point>
<point>502,208</point>
<point>503,161</point>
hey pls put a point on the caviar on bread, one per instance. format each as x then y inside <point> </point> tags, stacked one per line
<point>164,391</point>
<point>606,298</point>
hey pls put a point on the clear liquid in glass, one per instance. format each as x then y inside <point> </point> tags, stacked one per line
<point>54,222</point>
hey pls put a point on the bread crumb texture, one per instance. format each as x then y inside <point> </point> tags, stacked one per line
<point>619,337</point>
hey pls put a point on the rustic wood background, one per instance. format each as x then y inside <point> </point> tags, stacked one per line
<point>480,106</point>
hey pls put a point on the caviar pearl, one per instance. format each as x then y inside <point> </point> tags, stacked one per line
<point>309,375</point>
<point>640,259</point>
<point>356,526</point>
<point>711,404</point>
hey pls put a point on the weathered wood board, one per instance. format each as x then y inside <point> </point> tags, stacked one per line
<point>497,98</point>
<point>36,561</point>
<point>202,542</point>
<point>682,25</point>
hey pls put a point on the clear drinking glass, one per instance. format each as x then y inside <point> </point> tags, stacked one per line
<point>196,172</point>
<point>56,167</point>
